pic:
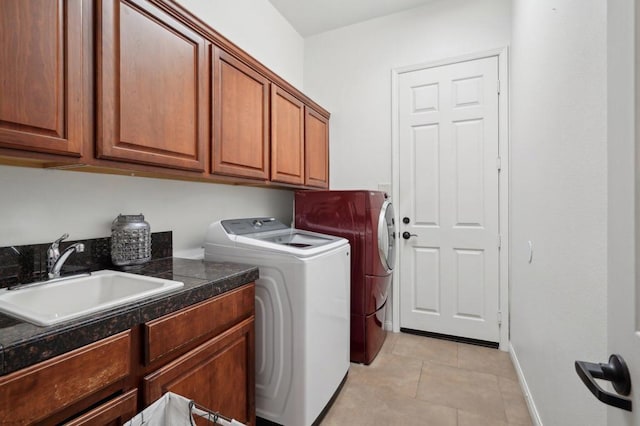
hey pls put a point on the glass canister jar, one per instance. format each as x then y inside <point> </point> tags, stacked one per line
<point>130,240</point>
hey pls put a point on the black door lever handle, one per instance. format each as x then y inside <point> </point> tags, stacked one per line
<point>616,372</point>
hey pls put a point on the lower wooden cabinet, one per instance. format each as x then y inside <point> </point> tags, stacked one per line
<point>176,333</point>
<point>35,393</point>
<point>218,375</point>
<point>211,360</point>
<point>113,412</point>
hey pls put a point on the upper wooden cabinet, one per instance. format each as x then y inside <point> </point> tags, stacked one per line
<point>287,137</point>
<point>112,83</point>
<point>152,81</point>
<point>41,75</point>
<point>316,143</point>
<point>240,119</point>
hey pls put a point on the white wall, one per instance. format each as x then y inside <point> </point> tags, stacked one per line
<point>40,205</point>
<point>348,71</point>
<point>559,201</point>
<point>259,29</point>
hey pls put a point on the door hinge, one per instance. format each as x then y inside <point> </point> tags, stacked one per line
<point>498,87</point>
<point>499,163</point>
<point>499,240</point>
<point>499,317</point>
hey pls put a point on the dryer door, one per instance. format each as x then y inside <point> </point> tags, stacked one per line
<point>387,236</point>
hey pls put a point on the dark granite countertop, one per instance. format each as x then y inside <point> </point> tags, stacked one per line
<point>23,344</point>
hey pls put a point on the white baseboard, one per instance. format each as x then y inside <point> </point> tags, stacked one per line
<point>533,411</point>
<point>388,325</point>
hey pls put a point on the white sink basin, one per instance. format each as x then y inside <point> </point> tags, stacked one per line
<point>62,300</point>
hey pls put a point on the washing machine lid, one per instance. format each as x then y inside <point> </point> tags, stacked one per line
<point>252,225</point>
<point>269,234</point>
<point>295,238</point>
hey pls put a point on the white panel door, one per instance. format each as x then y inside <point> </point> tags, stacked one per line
<point>448,126</point>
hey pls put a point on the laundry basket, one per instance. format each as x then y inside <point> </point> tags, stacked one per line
<point>176,410</point>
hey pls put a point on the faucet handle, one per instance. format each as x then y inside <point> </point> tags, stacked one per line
<point>56,243</point>
<point>54,264</point>
<point>53,253</point>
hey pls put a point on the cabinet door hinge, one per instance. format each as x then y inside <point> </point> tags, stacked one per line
<point>499,163</point>
<point>498,87</point>
<point>499,317</point>
<point>499,240</point>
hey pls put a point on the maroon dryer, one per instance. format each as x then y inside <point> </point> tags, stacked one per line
<point>365,218</point>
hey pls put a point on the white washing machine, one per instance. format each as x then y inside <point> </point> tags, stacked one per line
<point>302,313</point>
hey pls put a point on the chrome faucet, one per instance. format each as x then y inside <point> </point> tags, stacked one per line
<point>55,259</point>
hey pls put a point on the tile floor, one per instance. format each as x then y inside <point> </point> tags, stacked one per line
<point>417,380</point>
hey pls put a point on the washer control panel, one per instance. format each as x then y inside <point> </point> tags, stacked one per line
<point>252,225</point>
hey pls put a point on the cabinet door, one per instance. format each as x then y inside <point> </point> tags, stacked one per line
<point>287,137</point>
<point>152,87</point>
<point>34,393</point>
<point>316,145</point>
<point>175,332</point>
<point>240,119</point>
<point>41,79</point>
<point>218,375</point>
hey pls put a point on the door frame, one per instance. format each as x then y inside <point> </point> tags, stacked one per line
<point>623,195</point>
<point>503,179</point>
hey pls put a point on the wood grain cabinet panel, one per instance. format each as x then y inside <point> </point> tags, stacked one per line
<point>152,87</point>
<point>41,76</point>
<point>173,332</point>
<point>116,411</point>
<point>316,143</point>
<point>34,393</point>
<point>240,119</point>
<point>219,374</point>
<point>287,137</point>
